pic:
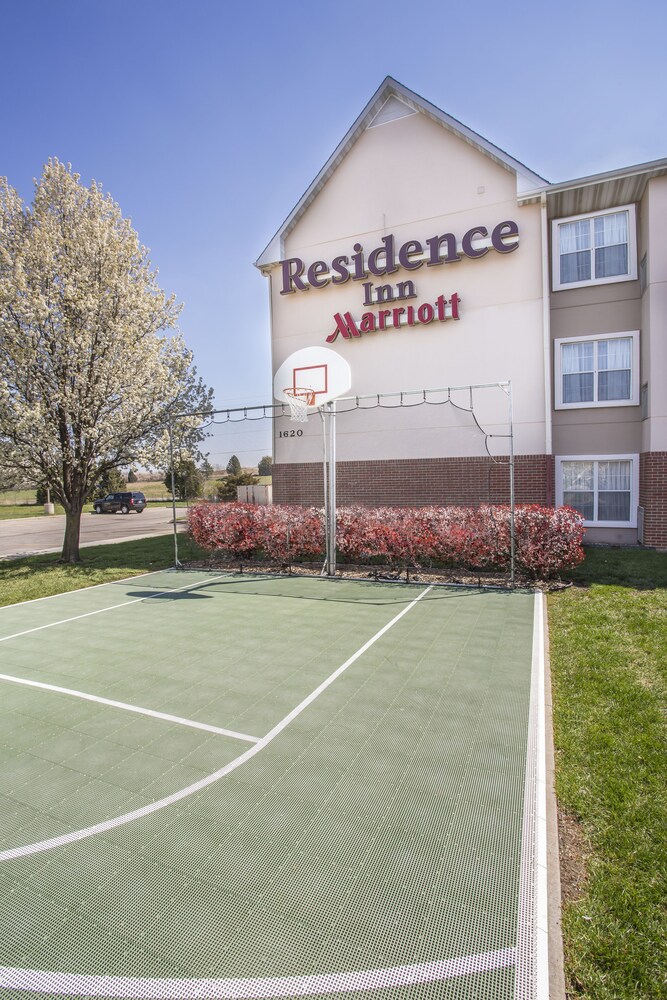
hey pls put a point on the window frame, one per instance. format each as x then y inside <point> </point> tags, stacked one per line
<point>634,399</point>
<point>634,486</point>
<point>631,274</point>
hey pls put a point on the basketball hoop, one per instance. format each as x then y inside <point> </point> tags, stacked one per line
<point>298,401</point>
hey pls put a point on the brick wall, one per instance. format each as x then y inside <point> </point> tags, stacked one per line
<point>653,497</point>
<point>416,482</point>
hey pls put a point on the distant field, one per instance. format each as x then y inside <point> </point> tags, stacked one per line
<point>22,503</point>
<point>14,497</point>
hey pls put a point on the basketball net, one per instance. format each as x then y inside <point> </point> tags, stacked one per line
<point>298,401</point>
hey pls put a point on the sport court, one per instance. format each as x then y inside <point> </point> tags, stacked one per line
<point>261,786</point>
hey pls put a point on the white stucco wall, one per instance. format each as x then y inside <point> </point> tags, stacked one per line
<point>414,179</point>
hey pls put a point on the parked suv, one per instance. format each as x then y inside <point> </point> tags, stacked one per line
<point>123,502</point>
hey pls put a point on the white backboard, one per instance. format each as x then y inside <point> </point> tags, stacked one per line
<point>321,371</point>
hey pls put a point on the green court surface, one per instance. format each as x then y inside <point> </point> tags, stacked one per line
<point>239,786</point>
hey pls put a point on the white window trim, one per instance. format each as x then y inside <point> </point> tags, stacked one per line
<point>632,250</point>
<point>634,486</point>
<point>634,374</point>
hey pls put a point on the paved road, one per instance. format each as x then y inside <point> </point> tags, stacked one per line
<point>30,535</point>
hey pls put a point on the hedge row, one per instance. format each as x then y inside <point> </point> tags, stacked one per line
<point>547,540</point>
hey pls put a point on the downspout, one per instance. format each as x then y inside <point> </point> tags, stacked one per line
<point>268,273</point>
<point>546,344</point>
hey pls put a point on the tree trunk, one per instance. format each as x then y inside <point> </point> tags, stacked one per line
<point>70,552</point>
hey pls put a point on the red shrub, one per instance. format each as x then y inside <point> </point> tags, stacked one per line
<point>546,540</point>
<point>240,529</point>
<point>288,533</point>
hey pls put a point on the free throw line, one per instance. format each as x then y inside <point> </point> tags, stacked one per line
<point>130,708</point>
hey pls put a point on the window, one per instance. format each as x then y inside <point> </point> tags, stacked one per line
<point>597,371</point>
<point>594,249</point>
<point>603,488</point>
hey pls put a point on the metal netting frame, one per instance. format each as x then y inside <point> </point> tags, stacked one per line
<point>328,412</point>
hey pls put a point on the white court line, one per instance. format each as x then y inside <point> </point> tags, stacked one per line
<point>112,607</point>
<point>73,985</point>
<point>532,965</point>
<point>110,824</point>
<point>541,858</point>
<point>130,708</point>
<point>93,586</point>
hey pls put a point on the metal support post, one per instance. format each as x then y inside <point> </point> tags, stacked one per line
<point>332,488</point>
<point>177,563</point>
<point>511,436</point>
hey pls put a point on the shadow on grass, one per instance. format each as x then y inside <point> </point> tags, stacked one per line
<point>640,569</point>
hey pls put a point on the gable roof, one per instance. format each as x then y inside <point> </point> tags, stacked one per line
<point>390,101</point>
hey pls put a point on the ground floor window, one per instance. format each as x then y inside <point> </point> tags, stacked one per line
<point>603,488</point>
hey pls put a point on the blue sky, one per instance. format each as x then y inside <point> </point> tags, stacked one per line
<point>207,120</point>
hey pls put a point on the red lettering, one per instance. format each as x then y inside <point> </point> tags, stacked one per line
<point>466,242</point>
<point>316,272</point>
<point>505,231</point>
<point>382,315</point>
<point>455,299</point>
<point>409,250</point>
<point>425,312</point>
<point>411,315</point>
<point>441,303</point>
<point>344,325</point>
<point>292,269</point>
<point>338,265</point>
<point>389,265</point>
<point>367,324</point>
<point>397,316</point>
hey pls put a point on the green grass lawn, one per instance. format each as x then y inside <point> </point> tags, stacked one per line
<point>40,576</point>
<point>9,511</point>
<point>608,637</point>
<point>609,661</point>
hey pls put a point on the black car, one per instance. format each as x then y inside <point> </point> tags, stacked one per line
<point>123,502</point>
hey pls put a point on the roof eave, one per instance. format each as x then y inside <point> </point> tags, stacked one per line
<point>653,168</point>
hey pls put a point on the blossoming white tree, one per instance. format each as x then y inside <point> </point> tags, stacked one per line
<point>88,376</point>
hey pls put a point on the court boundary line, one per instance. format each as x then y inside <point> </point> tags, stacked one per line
<point>541,851</point>
<point>93,586</point>
<point>110,824</point>
<point>101,611</point>
<point>74,984</point>
<point>532,942</point>
<point>152,713</point>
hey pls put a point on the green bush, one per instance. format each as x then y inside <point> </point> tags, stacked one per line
<point>226,488</point>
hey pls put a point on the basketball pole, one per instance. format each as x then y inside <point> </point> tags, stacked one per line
<point>332,488</point>
<point>177,563</point>
<point>512,501</point>
<point>325,483</point>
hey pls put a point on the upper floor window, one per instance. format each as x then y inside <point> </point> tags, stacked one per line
<point>594,249</point>
<point>597,371</point>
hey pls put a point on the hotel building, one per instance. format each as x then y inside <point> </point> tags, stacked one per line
<point>428,257</point>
